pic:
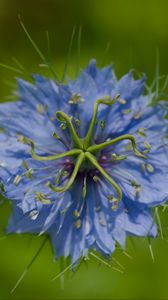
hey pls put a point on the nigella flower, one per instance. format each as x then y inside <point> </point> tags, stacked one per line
<point>84,162</point>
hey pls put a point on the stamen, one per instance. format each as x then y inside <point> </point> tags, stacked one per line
<point>57,137</point>
<point>77,122</point>
<point>147,145</point>
<point>23,139</point>
<point>137,115</point>
<point>116,157</point>
<point>126,111</point>
<point>41,197</point>
<point>92,159</point>
<point>64,188</point>
<point>29,173</point>
<point>63,126</point>
<point>75,99</point>
<point>141,132</point>
<point>147,148</point>
<point>41,109</point>
<point>102,124</point>
<point>110,198</point>
<point>25,165</point>
<point>78,224</point>
<point>137,187</point>
<point>122,101</point>
<point>61,174</point>
<point>34,214</point>
<point>84,190</point>
<point>61,116</point>
<point>76,214</point>
<point>115,140</point>
<point>17,179</point>
<point>147,167</point>
<point>114,202</point>
<point>95,178</point>
<point>115,205</point>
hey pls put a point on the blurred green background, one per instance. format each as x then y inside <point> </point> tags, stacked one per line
<point>134,30</point>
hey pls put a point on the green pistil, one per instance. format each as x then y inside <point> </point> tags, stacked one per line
<point>83,150</point>
<point>101,146</point>
<point>94,162</point>
<point>72,152</point>
<point>62,117</point>
<point>64,188</point>
<point>106,101</point>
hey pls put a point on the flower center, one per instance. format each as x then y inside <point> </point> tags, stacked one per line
<point>84,150</point>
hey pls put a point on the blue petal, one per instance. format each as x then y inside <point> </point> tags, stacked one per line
<point>31,222</point>
<point>54,95</point>
<point>137,220</point>
<point>153,182</point>
<point>119,116</point>
<point>91,69</point>
<point>12,153</point>
<point>104,78</point>
<point>129,88</point>
<point>130,216</point>
<point>86,87</point>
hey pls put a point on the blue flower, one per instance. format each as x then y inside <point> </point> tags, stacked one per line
<point>84,162</point>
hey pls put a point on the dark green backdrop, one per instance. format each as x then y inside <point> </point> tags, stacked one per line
<point>134,30</point>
